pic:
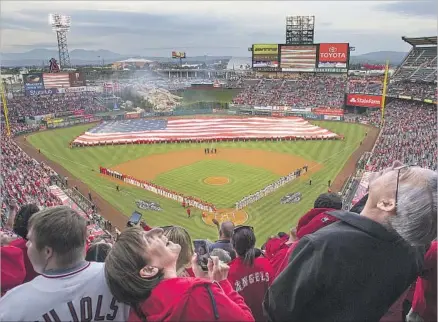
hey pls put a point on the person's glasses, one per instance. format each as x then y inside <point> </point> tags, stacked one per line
<point>399,169</point>
<point>237,228</point>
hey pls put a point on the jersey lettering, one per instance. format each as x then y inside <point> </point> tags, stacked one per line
<point>257,277</point>
<point>86,311</point>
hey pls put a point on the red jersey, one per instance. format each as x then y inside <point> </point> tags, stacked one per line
<point>252,282</point>
<point>193,299</point>
<point>30,272</point>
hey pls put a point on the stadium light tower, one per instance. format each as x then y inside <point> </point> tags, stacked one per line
<point>61,25</point>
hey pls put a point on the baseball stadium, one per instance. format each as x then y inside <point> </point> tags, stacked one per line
<point>253,144</point>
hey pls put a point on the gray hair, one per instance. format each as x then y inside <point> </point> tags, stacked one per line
<point>222,254</point>
<point>416,218</point>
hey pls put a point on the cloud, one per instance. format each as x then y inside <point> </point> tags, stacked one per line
<point>214,28</point>
<point>418,8</point>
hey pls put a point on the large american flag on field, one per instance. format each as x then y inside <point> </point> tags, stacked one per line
<point>56,80</point>
<point>202,129</point>
<point>298,57</point>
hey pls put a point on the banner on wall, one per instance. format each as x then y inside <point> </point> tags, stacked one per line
<point>328,111</point>
<point>33,82</point>
<point>362,100</point>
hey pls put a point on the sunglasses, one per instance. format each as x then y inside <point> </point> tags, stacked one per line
<point>239,227</point>
<point>399,169</point>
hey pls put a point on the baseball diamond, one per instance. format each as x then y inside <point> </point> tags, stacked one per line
<point>182,167</point>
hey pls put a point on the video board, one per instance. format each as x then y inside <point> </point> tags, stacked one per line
<point>298,58</point>
<point>333,55</point>
<point>178,54</point>
<point>265,57</point>
<point>33,82</point>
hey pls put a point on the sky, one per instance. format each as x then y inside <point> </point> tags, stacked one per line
<point>153,28</point>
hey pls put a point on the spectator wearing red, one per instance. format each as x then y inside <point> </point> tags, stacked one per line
<point>20,228</point>
<point>250,276</point>
<point>13,271</point>
<point>141,271</point>
<point>145,226</point>
<point>424,303</point>
<point>311,222</point>
<point>180,236</point>
<point>277,248</point>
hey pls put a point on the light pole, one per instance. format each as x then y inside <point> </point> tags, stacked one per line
<point>61,25</point>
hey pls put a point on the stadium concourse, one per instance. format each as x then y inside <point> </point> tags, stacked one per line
<point>402,268</point>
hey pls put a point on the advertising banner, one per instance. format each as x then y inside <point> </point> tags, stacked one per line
<point>265,57</point>
<point>263,108</point>
<point>328,111</point>
<point>33,81</point>
<point>333,55</point>
<point>372,101</point>
<point>265,49</point>
<point>298,58</point>
<point>405,97</point>
<point>49,91</point>
<point>178,54</point>
<point>77,79</point>
<point>428,101</point>
<point>332,118</point>
<point>277,114</point>
<point>76,89</point>
<point>56,80</point>
<point>301,110</point>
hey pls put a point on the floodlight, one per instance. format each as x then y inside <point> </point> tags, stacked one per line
<point>59,22</point>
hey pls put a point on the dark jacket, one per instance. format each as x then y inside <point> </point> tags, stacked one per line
<point>351,270</point>
<point>224,244</point>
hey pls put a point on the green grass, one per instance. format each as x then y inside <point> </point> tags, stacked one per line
<point>189,179</point>
<point>223,95</point>
<point>267,216</point>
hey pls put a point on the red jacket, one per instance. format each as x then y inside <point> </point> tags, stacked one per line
<point>252,282</point>
<point>30,273</point>
<point>193,299</point>
<point>276,250</point>
<point>425,300</point>
<point>312,221</point>
<point>13,271</point>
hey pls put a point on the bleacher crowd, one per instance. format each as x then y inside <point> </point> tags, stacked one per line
<point>300,92</point>
<point>375,262</point>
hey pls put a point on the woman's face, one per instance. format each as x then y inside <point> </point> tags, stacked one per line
<point>160,252</point>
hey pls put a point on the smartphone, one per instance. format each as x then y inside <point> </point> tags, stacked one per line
<point>202,253</point>
<point>135,219</point>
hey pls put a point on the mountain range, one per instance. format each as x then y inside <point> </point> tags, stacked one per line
<point>38,57</point>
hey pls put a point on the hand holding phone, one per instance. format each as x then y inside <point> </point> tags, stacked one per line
<point>202,253</point>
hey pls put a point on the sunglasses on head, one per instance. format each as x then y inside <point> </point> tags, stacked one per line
<point>399,169</point>
<point>241,227</point>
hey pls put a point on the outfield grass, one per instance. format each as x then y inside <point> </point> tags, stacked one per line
<point>267,216</point>
<point>223,95</point>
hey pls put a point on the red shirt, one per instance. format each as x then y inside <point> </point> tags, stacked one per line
<point>13,271</point>
<point>193,299</point>
<point>30,273</point>
<point>252,282</point>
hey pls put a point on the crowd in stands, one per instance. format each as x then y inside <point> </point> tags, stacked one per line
<point>409,134</point>
<point>307,90</point>
<point>20,105</point>
<point>313,273</point>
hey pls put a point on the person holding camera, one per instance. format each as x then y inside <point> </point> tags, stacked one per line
<point>141,271</point>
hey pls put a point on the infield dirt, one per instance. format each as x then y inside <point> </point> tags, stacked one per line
<point>149,167</point>
<point>119,220</point>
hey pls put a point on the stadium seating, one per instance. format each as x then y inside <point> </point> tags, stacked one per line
<point>300,92</point>
<point>419,65</point>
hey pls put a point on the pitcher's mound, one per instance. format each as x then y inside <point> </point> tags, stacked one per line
<point>217,181</point>
<point>238,217</point>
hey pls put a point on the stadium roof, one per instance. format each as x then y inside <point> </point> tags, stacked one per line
<point>420,41</point>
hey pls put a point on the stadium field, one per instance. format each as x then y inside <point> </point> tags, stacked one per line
<point>325,159</point>
<point>223,95</point>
